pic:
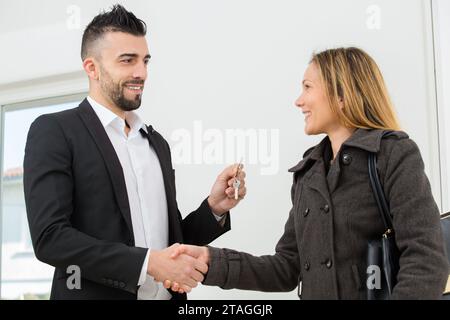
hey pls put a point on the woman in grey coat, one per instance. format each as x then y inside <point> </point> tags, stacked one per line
<point>334,214</point>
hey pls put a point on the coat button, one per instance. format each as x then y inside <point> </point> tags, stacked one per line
<point>326,208</point>
<point>307,266</point>
<point>122,284</point>
<point>328,263</point>
<point>346,159</point>
<point>306,212</point>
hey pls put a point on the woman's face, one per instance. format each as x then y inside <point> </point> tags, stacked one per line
<point>319,118</point>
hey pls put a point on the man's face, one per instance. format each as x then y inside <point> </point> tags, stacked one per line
<point>123,60</point>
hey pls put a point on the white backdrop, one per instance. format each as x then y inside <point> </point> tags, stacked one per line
<point>441,10</point>
<point>225,68</point>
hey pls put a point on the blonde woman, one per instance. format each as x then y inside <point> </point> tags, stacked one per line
<point>334,214</point>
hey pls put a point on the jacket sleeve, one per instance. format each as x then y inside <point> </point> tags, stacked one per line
<point>423,265</point>
<point>200,227</point>
<point>230,269</point>
<point>48,187</point>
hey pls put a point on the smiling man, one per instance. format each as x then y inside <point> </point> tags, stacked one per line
<point>100,187</point>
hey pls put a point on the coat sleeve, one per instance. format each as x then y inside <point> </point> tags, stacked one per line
<point>423,265</point>
<point>230,269</point>
<point>48,187</point>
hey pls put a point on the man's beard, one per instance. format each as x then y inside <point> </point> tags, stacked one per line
<point>115,92</point>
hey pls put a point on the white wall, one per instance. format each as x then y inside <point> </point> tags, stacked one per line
<point>442,46</point>
<point>238,65</point>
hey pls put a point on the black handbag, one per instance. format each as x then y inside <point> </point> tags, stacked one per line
<point>382,254</point>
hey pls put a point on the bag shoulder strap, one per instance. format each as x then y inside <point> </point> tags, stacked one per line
<point>380,198</point>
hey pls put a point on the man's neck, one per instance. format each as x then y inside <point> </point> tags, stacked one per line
<point>99,98</point>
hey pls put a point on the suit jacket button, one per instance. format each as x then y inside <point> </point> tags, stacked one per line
<point>122,284</point>
<point>328,263</point>
<point>326,208</point>
<point>346,159</point>
<point>307,266</point>
<point>306,212</point>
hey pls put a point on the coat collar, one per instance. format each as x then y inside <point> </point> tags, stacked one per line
<point>365,139</point>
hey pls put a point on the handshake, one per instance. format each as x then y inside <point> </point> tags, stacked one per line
<point>180,267</point>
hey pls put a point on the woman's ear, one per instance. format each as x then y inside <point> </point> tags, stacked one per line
<point>341,103</point>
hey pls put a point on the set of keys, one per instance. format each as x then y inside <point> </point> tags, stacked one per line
<point>237,182</point>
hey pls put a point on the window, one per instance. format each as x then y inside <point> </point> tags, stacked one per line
<point>441,26</point>
<point>22,275</point>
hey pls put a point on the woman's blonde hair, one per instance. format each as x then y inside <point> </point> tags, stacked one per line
<point>350,75</point>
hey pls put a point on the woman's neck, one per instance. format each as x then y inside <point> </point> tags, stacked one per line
<point>338,137</point>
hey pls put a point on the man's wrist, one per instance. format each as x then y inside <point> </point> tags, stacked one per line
<point>144,269</point>
<point>214,210</point>
<point>151,265</point>
<point>218,217</point>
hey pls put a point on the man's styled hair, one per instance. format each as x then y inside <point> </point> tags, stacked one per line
<point>118,19</point>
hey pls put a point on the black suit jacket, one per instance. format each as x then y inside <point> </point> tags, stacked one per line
<point>78,210</point>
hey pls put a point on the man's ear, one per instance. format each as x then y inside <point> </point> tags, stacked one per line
<point>90,65</point>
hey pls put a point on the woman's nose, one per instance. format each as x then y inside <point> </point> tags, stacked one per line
<point>299,102</point>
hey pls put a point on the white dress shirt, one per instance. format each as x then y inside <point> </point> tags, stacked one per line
<point>145,190</point>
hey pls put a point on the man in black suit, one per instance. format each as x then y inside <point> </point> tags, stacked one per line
<point>100,187</point>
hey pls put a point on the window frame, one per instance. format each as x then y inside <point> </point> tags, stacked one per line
<point>24,105</point>
<point>444,155</point>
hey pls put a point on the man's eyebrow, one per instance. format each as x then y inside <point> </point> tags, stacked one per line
<point>128,55</point>
<point>132,55</point>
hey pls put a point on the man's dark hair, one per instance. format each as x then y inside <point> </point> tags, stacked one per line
<point>118,19</point>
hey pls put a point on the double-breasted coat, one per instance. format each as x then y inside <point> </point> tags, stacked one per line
<point>334,215</point>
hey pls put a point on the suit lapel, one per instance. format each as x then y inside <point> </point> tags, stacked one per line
<point>110,158</point>
<point>175,232</point>
<point>163,161</point>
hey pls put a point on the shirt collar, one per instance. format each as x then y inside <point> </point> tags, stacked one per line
<point>107,117</point>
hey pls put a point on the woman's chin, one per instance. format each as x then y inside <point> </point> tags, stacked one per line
<point>308,130</point>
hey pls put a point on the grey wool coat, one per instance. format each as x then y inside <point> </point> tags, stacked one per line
<point>334,215</point>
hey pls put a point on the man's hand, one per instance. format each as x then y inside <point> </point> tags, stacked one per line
<point>199,253</point>
<point>171,263</point>
<point>221,199</point>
